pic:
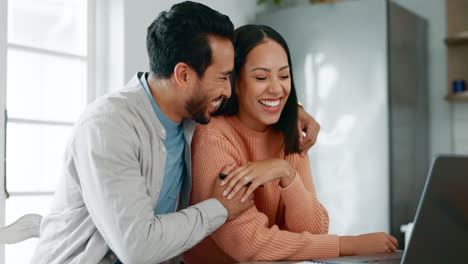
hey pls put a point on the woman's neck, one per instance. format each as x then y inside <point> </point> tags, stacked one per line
<point>251,123</point>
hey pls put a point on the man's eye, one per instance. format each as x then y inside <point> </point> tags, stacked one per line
<point>260,78</point>
<point>285,77</point>
<point>225,78</point>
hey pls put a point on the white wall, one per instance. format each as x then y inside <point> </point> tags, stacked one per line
<point>128,22</point>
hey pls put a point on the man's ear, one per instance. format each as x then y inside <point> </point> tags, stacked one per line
<point>184,75</point>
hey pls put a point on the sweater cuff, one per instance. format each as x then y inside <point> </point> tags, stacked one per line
<point>329,246</point>
<point>294,192</point>
<point>214,212</point>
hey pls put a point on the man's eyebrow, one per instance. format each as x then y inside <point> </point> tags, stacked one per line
<point>227,72</point>
<point>284,67</point>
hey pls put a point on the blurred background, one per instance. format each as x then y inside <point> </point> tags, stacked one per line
<point>386,79</point>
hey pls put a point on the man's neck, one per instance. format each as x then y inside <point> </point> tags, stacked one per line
<point>164,94</point>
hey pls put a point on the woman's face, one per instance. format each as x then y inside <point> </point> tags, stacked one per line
<point>264,85</point>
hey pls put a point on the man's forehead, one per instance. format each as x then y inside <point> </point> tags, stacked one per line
<point>222,54</point>
<point>221,67</point>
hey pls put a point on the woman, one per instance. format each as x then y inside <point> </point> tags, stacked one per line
<point>257,131</point>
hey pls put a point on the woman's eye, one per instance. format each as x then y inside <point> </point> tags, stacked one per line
<point>284,77</point>
<point>260,78</point>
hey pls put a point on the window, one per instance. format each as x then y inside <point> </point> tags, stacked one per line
<point>49,81</point>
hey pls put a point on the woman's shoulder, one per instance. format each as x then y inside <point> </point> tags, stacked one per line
<point>219,126</point>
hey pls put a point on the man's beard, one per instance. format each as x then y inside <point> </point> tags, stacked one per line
<point>197,108</point>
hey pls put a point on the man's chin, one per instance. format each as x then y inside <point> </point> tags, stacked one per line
<point>203,120</point>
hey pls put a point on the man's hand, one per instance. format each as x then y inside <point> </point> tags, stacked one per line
<point>233,206</point>
<point>307,124</point>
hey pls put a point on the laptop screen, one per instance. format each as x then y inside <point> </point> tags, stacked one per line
<point>440,233</point>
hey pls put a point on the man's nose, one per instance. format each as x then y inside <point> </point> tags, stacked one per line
<point>227,89</point>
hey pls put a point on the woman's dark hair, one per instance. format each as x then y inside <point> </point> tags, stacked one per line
<point>180,35</point>
<point>245,39</point>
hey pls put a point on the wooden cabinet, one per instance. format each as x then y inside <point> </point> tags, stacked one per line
<point>457,47</point>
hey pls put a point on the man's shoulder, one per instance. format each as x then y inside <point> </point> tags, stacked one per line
<point>124,104</point>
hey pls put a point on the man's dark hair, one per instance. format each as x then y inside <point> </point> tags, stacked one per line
<point>245,39</point>
<point>181,35</point>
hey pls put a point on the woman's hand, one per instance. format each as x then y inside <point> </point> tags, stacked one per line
<point>307,124</point>
<point>257,173</point>
<point>367,244</point>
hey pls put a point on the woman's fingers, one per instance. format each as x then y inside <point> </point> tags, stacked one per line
<point>237,181</point>
<point>250,190</point>
<point>393,240</point>
<point>391,247</point>
<point>226,170</point>
<point>241,182</point>
<point>231,174</point>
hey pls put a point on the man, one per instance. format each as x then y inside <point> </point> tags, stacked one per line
<point>127,165</point>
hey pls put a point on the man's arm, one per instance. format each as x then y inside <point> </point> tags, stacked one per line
<point>106,157</point>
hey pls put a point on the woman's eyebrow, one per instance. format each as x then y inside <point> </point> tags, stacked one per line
<point>268,70</point>
<point>261,68</point>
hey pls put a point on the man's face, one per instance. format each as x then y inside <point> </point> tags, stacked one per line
<point>215,85</point>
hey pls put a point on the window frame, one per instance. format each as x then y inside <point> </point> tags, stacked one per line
<point>3,52</point>
<point>90,94</point>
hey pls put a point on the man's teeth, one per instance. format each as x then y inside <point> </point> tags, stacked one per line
<point>216,103</point>
<point>270,103</point>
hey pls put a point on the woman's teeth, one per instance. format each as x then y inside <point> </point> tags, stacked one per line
<point>270,103</point>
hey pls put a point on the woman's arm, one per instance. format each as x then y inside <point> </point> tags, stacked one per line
<point>250,237</point>
<point>303,211</point>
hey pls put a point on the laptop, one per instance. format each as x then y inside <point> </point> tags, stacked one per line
<point>440,232</point>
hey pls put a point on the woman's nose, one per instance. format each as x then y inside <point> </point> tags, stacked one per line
<point>275,86</point>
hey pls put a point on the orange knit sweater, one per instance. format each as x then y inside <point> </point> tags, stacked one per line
<point>285,223</point>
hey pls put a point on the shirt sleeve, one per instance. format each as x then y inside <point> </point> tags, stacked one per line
<point>303,211</point>
<point>106,158</point>
<point>249,237</point>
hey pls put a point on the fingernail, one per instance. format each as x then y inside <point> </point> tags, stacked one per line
<point>222,183</point>
<point>242,200</point>
<point>230,197</point>
<point>225,193</point>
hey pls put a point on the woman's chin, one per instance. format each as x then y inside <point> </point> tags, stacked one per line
<point>269,121</point>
